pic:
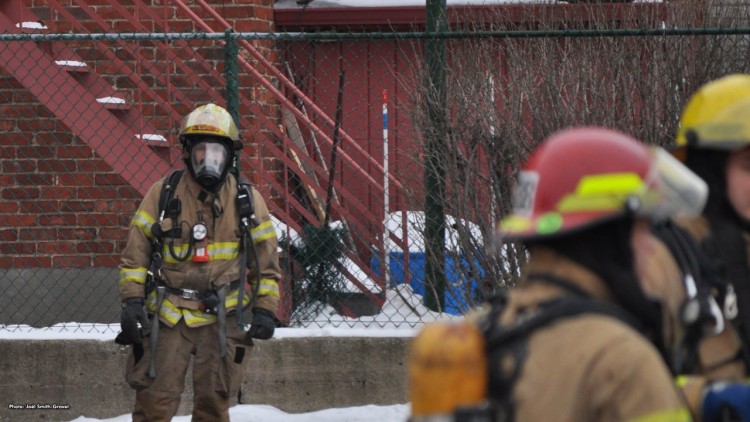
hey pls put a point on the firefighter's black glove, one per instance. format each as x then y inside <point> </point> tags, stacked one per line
<point>263,324</point>
<point>132,314</point>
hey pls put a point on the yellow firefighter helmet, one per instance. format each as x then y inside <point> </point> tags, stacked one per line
<point>716,116</point>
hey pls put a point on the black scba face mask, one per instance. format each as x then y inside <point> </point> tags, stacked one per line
<point>208,161</point>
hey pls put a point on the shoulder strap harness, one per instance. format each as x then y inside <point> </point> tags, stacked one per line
<point>507,346</point>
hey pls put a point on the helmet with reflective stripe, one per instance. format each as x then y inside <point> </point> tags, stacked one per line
<point>582,176</point>
<point>210,120</point>
<point>717,116</point>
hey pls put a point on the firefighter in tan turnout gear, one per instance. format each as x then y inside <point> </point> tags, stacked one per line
<point>593,332</point>
<point>201,243</point>
<point>713,140</point>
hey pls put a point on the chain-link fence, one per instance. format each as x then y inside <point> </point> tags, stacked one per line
<point>339,131</point>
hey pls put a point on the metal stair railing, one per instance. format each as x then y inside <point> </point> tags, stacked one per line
<point>359,210</point>
<point>36,67</point>
<point>363,209</point>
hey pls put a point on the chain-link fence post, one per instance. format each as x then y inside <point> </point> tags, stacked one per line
<point>434,178</point>
<point>233,95</point>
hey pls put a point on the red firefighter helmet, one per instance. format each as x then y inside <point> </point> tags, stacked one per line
<point>582,176</point>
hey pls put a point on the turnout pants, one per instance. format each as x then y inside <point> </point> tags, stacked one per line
<point>215,380</point>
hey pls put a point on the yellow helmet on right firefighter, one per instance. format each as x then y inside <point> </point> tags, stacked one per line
<point>717,116</point>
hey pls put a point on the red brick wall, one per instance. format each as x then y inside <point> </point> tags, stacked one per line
<point>61,205</point>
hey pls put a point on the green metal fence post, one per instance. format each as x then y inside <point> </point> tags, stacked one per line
<point>434,179</point>
<point>231,75</point>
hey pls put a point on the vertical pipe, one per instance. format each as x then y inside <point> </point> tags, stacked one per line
<point>386,199</point>
<point>434,179</point>
<point>334,148</point>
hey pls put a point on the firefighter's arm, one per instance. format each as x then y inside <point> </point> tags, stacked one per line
<point>266,246</point>
<point>136,257</point>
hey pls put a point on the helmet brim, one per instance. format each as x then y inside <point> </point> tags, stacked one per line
<point>552,224</point>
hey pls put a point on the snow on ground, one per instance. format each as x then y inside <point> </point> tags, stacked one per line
<point>397,318</point>
<point>402,315</point>
<point>262,413</point>
<point>381,325</point>
<point>384,324</point>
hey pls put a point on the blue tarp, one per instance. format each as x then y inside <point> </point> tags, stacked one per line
<point>457,299</point>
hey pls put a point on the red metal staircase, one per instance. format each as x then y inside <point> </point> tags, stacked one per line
<point>117,130</point>
<point>80,98</point>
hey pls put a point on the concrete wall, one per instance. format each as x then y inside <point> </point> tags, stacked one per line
<point>293,374</point>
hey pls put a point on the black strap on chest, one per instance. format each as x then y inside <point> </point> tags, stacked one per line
<point>246,212</point>
<point>706,292</point>
<point>170,207</point>
<point>507,345</point>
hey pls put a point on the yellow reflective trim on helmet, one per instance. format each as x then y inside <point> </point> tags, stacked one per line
<point>143,221</point>
<point>673,415</point>
<point>515,223</point>
<point>134,275</point>
<point>602,192</point>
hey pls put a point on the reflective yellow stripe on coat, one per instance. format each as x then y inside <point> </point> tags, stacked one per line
<point>674,415</point>
<point>220,251</point>
<point>194,317</point>
<point>171,314</point>
<point>263,231</point>
<point>143,221</point>
<point>269,287</point>
<point>134,275</point>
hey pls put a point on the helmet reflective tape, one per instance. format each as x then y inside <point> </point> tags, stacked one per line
<point>601,192</point>
<point>671,190</point>
<point>515,223</point>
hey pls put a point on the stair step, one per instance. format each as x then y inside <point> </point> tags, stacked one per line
<point>32,26</point>
<point>73,66</point>
<point>152,139</point>
<point>114,103</point>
